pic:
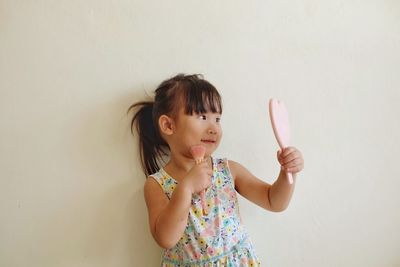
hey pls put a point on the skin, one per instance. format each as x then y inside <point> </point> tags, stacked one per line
<point>168,217</point>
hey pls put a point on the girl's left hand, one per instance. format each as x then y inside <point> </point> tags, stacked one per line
<point>291,159</point>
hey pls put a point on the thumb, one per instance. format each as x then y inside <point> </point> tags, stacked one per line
<point>278,155</point>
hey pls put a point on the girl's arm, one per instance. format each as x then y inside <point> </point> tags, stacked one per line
<point>167,217</point>
<point>275,197</point>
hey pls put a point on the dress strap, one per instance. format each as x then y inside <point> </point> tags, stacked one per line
<point>166,182</point>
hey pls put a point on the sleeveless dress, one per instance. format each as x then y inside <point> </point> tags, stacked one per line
<point>216,239</point>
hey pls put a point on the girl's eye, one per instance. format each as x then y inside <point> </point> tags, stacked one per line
<point>218,119</point>
<point>203,117</point>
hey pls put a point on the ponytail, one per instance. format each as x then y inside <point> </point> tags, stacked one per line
<point>152,146</point>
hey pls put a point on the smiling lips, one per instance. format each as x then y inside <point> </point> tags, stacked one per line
<point>208,141</point>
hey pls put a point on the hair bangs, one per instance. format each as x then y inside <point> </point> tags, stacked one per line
<point>201,97</point>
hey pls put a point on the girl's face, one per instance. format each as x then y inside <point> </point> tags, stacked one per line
<point>196,129</point>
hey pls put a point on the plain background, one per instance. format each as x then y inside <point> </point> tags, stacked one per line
<point>71,185</point>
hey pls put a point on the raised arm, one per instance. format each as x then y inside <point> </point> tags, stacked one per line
<point>275,197</point>
<point>168,217</point>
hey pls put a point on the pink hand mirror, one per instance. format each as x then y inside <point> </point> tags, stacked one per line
<point>280,124</point>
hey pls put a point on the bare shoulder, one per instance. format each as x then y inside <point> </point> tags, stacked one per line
<point>240,174</point>
<point>153,192</point>
<point>151,183</point>
<point>237,170</point>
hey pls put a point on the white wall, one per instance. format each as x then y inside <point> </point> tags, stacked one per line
<point>71,185</point>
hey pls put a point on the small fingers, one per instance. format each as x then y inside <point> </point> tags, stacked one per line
<point>295,165</point>
<point>278,153</point>
<point>287,151</point>
<point>291,159</point>
<point>290,153</point>
<point>291,163</point>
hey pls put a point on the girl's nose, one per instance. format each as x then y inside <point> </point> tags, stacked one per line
<point>211,131</point>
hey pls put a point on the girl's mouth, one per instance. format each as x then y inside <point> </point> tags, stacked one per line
<point>208,141</point>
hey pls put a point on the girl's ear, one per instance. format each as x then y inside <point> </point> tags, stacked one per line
<point>166,125</point>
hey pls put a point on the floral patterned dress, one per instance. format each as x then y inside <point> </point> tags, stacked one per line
<point>215,239</point>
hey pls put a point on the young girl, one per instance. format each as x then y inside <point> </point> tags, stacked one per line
<point>186,111</point>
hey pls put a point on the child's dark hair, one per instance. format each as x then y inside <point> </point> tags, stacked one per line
<point>191,92</point>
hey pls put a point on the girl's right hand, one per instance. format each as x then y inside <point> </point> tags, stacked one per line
<point>198,178</point>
